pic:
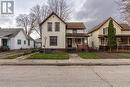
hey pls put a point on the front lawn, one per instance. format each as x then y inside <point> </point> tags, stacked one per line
<point>103,55</point>
<point>55,56</point>
<point>16,53</point>
<point>88,55</point>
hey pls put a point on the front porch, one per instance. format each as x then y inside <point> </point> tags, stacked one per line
<point>76,42</point>
<point>4,42</point>
<point>123,43</point>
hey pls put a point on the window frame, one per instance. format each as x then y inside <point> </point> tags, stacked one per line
<point>53,40</point>
<point>105,31</point>
<point>49,26</point>
<point>57,26</point>
<point>19,41</point>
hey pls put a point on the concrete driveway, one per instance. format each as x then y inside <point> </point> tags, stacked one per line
<point>64,76</point>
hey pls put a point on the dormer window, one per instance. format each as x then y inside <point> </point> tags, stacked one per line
<point>105,31</point>
<point>49,26</point>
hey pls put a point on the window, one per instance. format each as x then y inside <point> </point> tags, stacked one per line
<point>28,42</point>
<point>57,26</point>
<point>105,31</point>
<point>53,40</point>
<point>24,41</point>
<point>49,26</point>
<point>19,42</point>
<point>104,41</point>
<point>74,31</point>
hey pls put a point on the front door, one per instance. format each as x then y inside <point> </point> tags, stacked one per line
<point>5,42</point>
<point>69,42</point>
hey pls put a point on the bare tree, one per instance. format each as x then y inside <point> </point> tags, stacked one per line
<point>32,21</point>
<point>23,21</point>
<point>38,13</point>
<point>125,10</point>
<point>60,7</point>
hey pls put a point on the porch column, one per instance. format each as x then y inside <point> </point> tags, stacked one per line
<point>73,42</point>
<point>128,41</point>
<point>117,41</point>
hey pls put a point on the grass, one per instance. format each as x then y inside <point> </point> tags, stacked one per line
<point>103,55</point>
<point>88,55</point>
<point>14,54</point>
<point>125,55</point>
<point>55,56</point>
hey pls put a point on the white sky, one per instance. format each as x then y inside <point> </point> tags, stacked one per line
<point>23,7</point>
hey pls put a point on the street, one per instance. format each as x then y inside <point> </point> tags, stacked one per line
<point>64,76</point>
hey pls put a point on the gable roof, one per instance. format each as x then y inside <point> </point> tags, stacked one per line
<point>12,32</point>
<point>124,27</point>
<point>9,32</point>
<point>98,26</point>
<point>49,17</point>
<point>69,25</point>
<point>75,25</point>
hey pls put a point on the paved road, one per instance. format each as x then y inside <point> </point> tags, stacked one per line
<point>64,76</point>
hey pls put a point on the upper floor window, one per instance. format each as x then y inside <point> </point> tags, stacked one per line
<point>19,42</point>
<point>74,31</point>
<point>49,26</point>
<point>57,26</point>
<point>105,30</point>
<point>53,40</point>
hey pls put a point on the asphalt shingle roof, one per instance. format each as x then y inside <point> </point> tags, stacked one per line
<point>9,32</point>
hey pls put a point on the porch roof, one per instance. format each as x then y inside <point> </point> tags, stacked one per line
<point>77,35</point>
<point>75,25</point>
<point>122,35</point>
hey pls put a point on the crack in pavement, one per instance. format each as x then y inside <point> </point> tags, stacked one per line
<point>101,77</point>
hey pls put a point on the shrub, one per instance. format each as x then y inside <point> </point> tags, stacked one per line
<point>4,48</point>
<point>92,50</point>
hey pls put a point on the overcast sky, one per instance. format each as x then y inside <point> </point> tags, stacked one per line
<point>89,11</point>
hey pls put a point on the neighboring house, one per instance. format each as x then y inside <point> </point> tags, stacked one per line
<point>15,38</point>
<point>60,35</point>
<point>38,43</point>
<point>98,35</point>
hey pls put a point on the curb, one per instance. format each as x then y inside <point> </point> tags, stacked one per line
<point>62,64</point>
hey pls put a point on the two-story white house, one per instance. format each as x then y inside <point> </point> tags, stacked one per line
<point>98,35</point>
<point>60,35</point>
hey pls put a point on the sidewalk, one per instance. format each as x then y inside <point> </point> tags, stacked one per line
<point>88,62</point>
<point>74,60</point>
